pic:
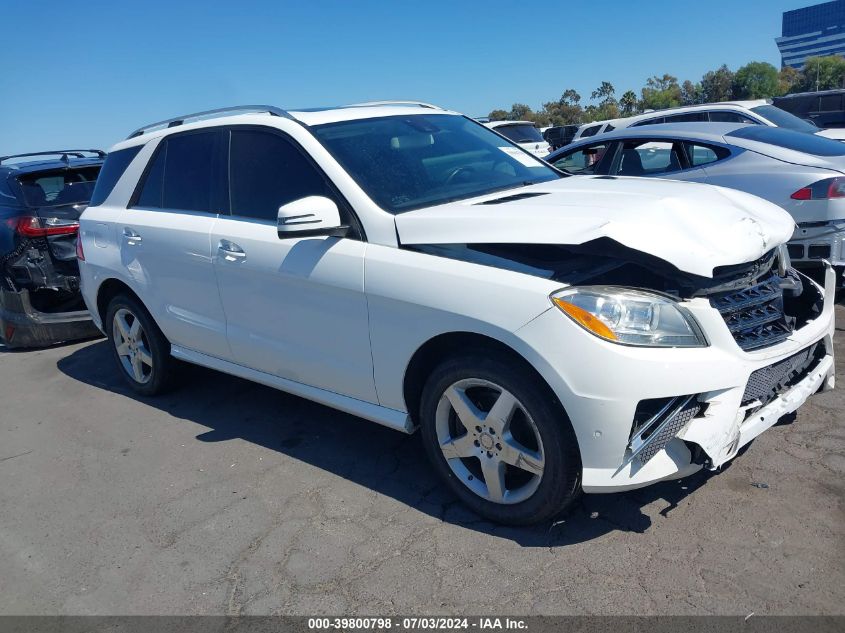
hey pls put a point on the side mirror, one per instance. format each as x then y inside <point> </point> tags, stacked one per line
<point>310,217</point>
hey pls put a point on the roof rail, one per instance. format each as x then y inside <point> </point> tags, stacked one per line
<point>421,104</point>
<point>179,120</point>
<point>78,153</point>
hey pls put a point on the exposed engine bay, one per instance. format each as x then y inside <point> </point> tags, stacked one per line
<point>762,301</point>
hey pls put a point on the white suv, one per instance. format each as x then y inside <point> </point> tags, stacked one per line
<point>756,112</point>
<point>523,133</point>
<point>548,334</point>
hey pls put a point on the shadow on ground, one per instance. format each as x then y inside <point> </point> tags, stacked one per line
<point>367,454</point>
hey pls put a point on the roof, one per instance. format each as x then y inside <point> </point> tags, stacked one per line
<point>699,131</point>
<point>245,115</point>
<point>685,108</point>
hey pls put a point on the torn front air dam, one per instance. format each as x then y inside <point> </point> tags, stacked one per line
<point>22,326</point>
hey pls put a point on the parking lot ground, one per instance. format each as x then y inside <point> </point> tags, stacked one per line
<point>226,497</point>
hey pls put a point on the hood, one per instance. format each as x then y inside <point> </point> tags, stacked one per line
<point>834,133</point>
<point>694,227</point>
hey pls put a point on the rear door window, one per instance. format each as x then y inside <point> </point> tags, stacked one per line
<point>705,154</point>
<point>182,174</point>
<point>591,131</point>
<point>724,116</point>
<point>648,158</point>
<point>583,161</point>
<point>686,117</point>
<point>654,121</point>
<point>700,154</point>
<point>266,171</point>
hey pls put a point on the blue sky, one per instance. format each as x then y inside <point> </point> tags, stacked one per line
<point>84,74</point>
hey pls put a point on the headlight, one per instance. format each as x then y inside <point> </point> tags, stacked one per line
<point>630,317</point>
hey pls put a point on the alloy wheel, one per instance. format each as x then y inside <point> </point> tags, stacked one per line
<point>489,441</point>
<point>132,346</point>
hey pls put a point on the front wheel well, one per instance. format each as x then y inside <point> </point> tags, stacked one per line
<point>445,346</point>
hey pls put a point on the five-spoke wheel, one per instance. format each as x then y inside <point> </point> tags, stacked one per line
<point>490,441</point>
<point>141,350</point>
<point>497,435</point>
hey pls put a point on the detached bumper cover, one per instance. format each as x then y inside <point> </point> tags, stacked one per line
<point>23,326</point>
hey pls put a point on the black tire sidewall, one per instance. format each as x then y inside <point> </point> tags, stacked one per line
<point>159,346</point>
<point>560,484</point>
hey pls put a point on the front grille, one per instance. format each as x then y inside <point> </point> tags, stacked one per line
<point>754,315</point>
<point>818,251</point>
<point>768,383</point>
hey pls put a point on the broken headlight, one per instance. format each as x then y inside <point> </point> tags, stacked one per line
<point>630,317</point>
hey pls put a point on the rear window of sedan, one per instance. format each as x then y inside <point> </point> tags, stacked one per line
<point>789,139</point>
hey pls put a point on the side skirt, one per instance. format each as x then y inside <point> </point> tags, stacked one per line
<point>391,418</point>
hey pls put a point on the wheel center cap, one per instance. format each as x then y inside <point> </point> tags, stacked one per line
<point>486,441</point>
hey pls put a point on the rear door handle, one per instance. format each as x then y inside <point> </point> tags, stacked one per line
<point>130,236</point>
<point>231,251</point>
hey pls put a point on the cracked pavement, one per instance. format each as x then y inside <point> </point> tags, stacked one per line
<point>226,497</point>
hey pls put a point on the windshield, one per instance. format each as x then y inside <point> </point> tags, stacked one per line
<point>790,139</point>
<point>408,162</point>
<point>58,187</point>
<point>522,133</point>
<point>782,118</point>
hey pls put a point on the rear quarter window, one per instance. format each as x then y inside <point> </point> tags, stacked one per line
<point>114,167</point>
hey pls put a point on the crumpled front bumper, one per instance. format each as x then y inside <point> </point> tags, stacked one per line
<point>22,326</point>
<point>601,384</point>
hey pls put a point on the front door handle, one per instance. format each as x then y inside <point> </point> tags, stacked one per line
<point>130,236</point>
<point>231,252</point>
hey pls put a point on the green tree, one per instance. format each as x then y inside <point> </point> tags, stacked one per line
<point>628,103</point>
<point>498,115</point>
<point>717,85</point>
<point>756,80</point>
<point>690,93</point>
<point>789,80</point>
<point>823,73</point>
<point>605,94</point>
<point>565,111</point>
<point>520,112</point>
<point>661,92</point>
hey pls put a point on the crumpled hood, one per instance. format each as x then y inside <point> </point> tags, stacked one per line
<point>694,227</point>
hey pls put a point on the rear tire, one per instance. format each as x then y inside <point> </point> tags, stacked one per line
<point>510,454</point>
<point>140,349</point>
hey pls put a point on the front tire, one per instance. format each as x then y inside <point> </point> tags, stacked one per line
<point>500,439</point>
<point>141,351</point>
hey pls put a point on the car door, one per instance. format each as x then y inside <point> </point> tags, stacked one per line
<point>164,241</point>
<point>294,307</point>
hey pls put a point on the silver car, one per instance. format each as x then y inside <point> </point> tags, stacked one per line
<point>803,173</point>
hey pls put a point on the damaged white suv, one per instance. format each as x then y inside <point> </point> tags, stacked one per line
<point>548,334</point>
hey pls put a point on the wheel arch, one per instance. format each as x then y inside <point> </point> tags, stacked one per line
<point>108,290</point>
<point>447,345</point>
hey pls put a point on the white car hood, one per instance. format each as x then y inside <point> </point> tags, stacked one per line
<point>694,227</point>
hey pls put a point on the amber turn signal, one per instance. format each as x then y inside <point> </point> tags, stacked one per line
<point>585,319</point>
